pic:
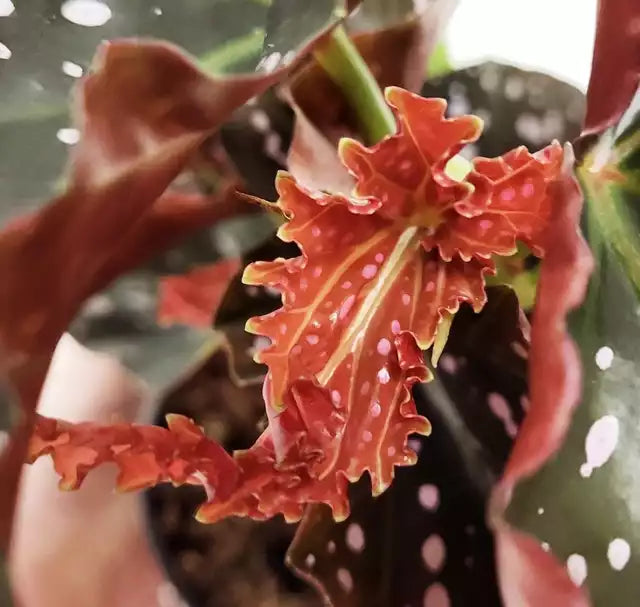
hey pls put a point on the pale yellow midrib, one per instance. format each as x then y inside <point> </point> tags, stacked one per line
<point>369,307</point>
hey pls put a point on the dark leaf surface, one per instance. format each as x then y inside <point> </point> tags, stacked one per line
<point>424,541</point>
<point>583,502</point>
<point>52,45</point>
<point>519,107</point>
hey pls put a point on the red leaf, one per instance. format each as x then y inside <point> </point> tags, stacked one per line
<point>503,199</point>
<point>143,112</point>
<point>192,299</point>
<point>555,391</point>
<point>364,299</point>
<point>615,71</point>
<point>377,275</point>
<point>145,455</point>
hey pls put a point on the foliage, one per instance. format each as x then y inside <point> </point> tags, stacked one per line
<point>377,283</point>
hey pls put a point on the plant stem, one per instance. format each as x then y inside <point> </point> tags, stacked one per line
<point>345,66</point>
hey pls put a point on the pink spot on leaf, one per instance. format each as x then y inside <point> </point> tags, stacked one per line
<point>436,596</point>
<point>429,496</point>
<point>433,552</point>
<point>384,346</point>
<point>527,190</point>
<point>508,194</point>
<point>369,271</point>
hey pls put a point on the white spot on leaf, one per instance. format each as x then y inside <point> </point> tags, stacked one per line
<point>600,443</point>
<point>383,376</point>
<point>6,8</point>
<point>72,69</point>
<point>68,136</point>
<point>577,568</point>
<point>604,358</point>
<point>618,554</point>
<point>89,13</point>
<point>5,51</point>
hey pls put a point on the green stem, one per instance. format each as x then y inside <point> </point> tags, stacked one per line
<point>345,66</point>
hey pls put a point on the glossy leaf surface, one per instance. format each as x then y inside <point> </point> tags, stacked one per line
<point>588,484</point>
<point>52,46</point>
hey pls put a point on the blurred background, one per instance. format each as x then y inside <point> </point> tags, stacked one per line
<point>522,67</point>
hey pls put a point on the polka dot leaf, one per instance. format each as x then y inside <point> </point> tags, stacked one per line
<point>572,480</point>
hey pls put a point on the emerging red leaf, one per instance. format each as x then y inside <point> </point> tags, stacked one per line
<point>378,275</point>
<point>192,299</point>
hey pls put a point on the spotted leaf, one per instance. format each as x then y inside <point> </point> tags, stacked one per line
<point>366,296</point>
<point>594,445</point>
<point>164,108</point>
<point>413,544</point>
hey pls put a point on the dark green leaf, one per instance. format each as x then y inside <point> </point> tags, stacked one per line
<point>49,51</point>
<point>584,501</point>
